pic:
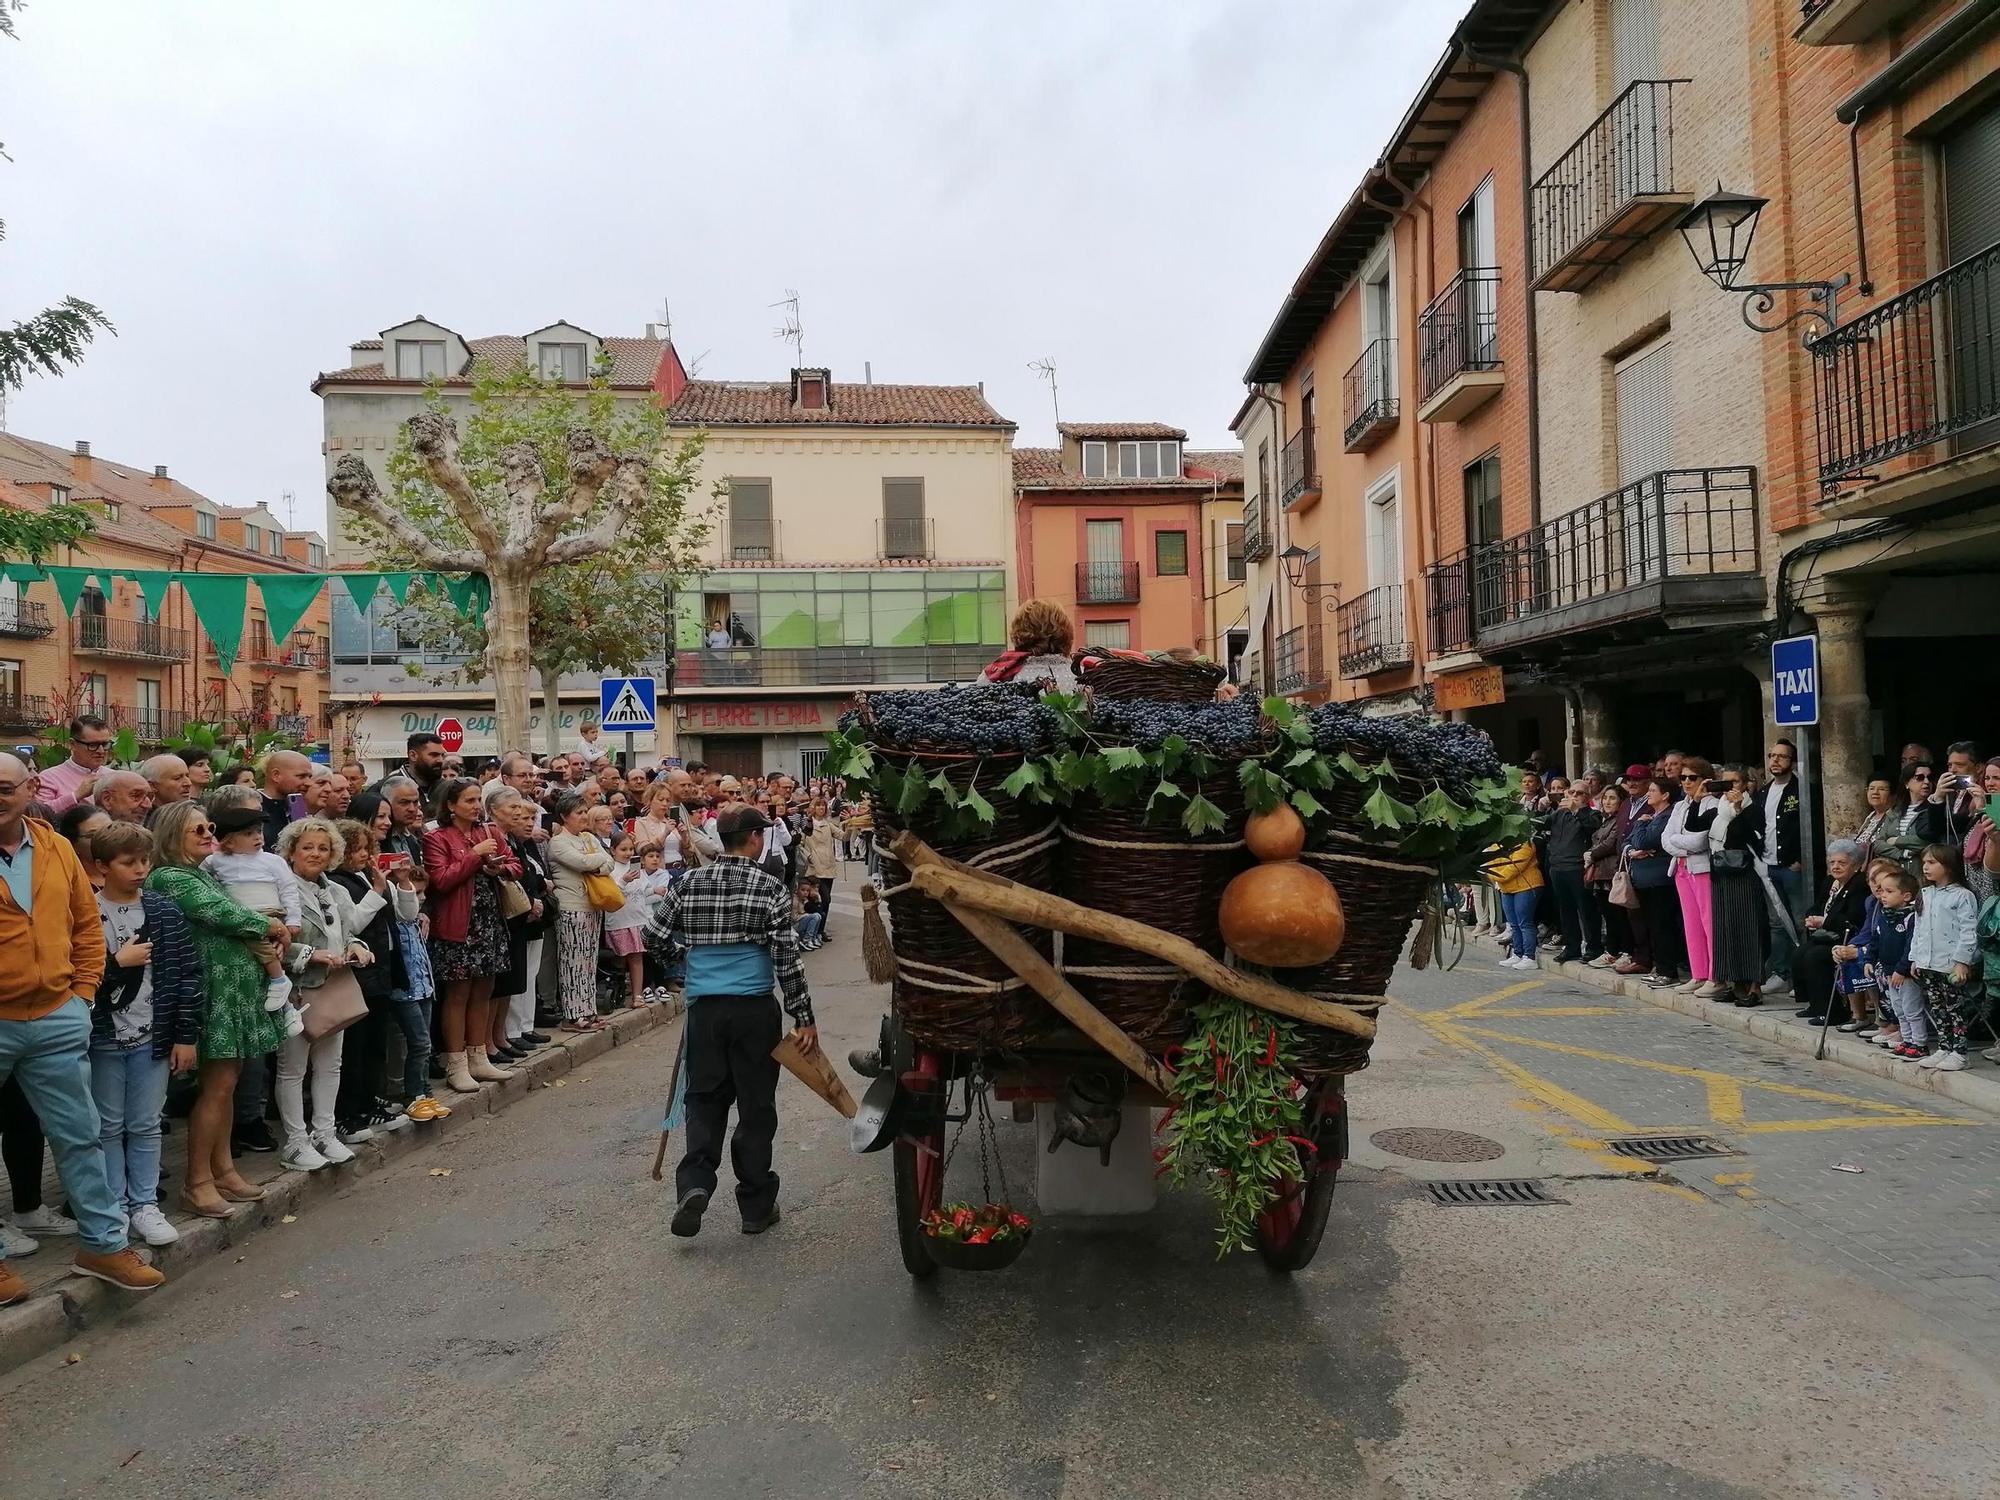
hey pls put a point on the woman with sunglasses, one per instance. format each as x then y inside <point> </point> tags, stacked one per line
<point>1922,821</point>
<point>1685,839</point>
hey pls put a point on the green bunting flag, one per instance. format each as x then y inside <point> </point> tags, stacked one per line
<point>361,588</point>
<point>69,585</point>
<point>23,573</point>
<point>471,595</point>
<point>218,600</point>
<point>287,597</point>
<point>153,585</point>
<point>399,586</point>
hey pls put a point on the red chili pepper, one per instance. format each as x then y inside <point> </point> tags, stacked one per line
<point>1221,1066</point>
<point>1303,1144</point>
<point>1262,1140</point>
<point>1271,1051</point>
<point>979,1236</point>
<point>1162,1125</point>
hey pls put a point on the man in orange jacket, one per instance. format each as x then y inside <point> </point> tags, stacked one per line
<point>51,959</point>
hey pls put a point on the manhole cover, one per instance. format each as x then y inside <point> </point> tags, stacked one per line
<point>1499,1193</point>
<point>1422,1143</point>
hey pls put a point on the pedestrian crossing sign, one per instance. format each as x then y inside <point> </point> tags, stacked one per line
<point>627,705</point>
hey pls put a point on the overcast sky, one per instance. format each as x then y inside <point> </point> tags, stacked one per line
<point>954,189</point>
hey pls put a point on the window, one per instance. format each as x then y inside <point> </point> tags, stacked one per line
<point>1263,470</point>
<point>315,555</point>
<point>563,362</point>
<point>96,692</point>
<point>1093,460</point>
<point>1482,501</point>
<point>10,681</point>
<point>111,510</point>
<point>148,705</point>
<point>253,537</point>
<point>419,359</point>
<point>1385,533</point>
<point>1170,554</point>
<point>904,533</point>
<point>276,543</point>
<point>1114,634</point>
<point>216,695</point>
<point>752,532</point>
<point>812,392</point>
<point>204,525</point>
<point>58,494</point>
<point>1635,42</point>
<point>1232,550</point>
<point>1644,394</point>
<point>1149,460</point>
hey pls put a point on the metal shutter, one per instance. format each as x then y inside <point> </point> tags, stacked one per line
<point>1972,187</point>
<point>1972,224</point>
<point>1645,397</point>
<point>1635,42</point>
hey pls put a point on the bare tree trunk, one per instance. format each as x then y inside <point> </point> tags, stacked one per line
<point>507,652</point>
<point>551,712</point>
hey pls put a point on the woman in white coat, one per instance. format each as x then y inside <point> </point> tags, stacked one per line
<point>1689,848</point>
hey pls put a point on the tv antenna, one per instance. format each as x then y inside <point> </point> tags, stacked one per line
<point>291,509</point>
<point>1046,368</point>
<point>792,331</point>
<point>667,319</point>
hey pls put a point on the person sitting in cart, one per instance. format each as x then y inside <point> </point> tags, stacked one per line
<point>735,921</point>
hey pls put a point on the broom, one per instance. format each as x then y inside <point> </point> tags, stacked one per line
<point>877,954</point>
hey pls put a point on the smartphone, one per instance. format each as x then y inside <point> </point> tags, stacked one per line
<point>1718,788</point>
<point>1993,809</point>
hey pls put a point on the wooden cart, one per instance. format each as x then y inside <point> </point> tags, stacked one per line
<point>927,1078</point>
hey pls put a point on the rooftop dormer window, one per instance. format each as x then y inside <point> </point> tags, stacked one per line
<point>58,494</point>
<point>419,359</point>
<point>1149,460</point>
<point>564,362</point>
<point>204,525</point>
<point>812,390</point>
<point>1094,460</point>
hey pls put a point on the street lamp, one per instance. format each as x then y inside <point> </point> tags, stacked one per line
<point>1718,231</point>
<point>1295,559</point>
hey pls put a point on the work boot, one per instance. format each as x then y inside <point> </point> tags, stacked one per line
<point>758,1226</point>
<point>687,1217</point>
<point>122,1268</point>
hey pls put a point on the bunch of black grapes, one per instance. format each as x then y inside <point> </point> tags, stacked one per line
<point>980,717</point>
<point>1233,728</point>
<point>1456,756</point>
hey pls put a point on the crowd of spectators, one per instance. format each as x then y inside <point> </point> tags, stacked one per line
<point>295,945</point>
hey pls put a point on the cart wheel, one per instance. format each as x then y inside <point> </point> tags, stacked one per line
<point>919,1157</point>
<point>1289,1231</point>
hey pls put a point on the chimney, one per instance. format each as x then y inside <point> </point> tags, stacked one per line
<point>160,480</point>
<point>867,372</point>
<point>80,465</point>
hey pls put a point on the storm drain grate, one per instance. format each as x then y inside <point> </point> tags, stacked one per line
<point>1490,1193</point>
<point>1669,1147</point>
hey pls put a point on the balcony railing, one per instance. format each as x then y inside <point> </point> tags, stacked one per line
<point>103,635</point>
<point>25,618</point>
<point>152,725</point>
<point>1841,23</point>
<point>1448,604</point>
<point>1288,662</point>
<point>1368,403</point>
<point>1256,528</point>
<point>1919,369</point>
<point>1609,192</point>
<point>826,666</point>
<point>1458,335</point>
<point>1674,544</point>
<point>753,540</point>
<point>1373,635</point>
<point>1298,469</point>
<point>1107,583</point>
<point>905,536</point>
<point>21,712</point>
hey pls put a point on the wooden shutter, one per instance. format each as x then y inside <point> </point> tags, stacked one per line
<point>1645,397</point>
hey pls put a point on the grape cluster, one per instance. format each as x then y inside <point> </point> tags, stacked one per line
<point>1453,755</point>
<point>981,717</point>
<point>1221,728</point>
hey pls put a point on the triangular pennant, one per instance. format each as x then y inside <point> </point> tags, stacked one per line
<point>469,595</point>
<point>153,585</point>
<point>399,585</point>
<point>219,600</point>
<point>361,588</point>
<point>69,585</point>
<point>287,597</point>
<point>23,573</point>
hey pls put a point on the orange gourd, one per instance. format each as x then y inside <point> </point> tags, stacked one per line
<point>1275,835</point>
<point>1282,914</point>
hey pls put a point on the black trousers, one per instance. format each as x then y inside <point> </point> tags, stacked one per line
<point>21,1146</point>
<point>1576,914</point>
<point>729,1042</point>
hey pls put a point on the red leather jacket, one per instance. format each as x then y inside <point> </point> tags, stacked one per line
<point>452,867</point>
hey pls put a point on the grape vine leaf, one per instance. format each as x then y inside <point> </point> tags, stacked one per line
<point>1307,804</point>
<point>1203,816</point>
<point>1435,806</point>
<point>1384,811</point>
<point>977,805</point>
<point>1024,776</point>
<point>1123,758</point>
<point>1165,789</point>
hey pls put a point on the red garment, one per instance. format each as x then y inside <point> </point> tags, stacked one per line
<point>451,866</point>
<point>1006,666</point>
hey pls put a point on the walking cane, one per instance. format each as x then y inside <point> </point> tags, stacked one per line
<point>675,1105</point>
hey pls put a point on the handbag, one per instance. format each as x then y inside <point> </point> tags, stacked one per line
<point>333,1005</point>
<point>603,892</point>
<point>1730,862</point>
<point>514,900</point>
<point>1622,892</point>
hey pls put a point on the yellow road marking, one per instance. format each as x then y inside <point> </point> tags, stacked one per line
<point>1553,1010</point>
<point>1474,1007</point>
<point>1678,1191</point>
<point>1573,1105</point>
<point>1732,1179</point>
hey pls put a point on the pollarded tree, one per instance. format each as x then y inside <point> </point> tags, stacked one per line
<point>547,491</point>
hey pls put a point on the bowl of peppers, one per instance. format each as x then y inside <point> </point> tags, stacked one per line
<point>963,1237</point>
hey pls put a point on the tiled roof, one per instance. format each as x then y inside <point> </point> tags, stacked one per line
<point>633,362</point>
<point>34,463</point>
<point>1041,469</point>
<point>1120,430</point>
<point>761,403</point>
<point>1224,464</point>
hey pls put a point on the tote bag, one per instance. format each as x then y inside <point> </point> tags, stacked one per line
<point>1622,892</point>
<point>603,892</point>
<point>332,1006</point>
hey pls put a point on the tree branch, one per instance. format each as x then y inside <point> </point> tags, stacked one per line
<point>353,488</point>
<point>521,472</point>
<point>434,442</point>
<point>591,465</point>
<point>628,489</point>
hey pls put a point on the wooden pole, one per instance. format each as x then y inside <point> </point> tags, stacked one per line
<point>939,879</point>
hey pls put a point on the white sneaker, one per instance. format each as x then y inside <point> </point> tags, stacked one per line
<point>1602,961</point>
<point>298,1154</point>
<point>1709,989</point>
<point>331,1149</point>
<point>152,1226</point>
<point>1991,1054</point>
<point>14,1244</point>
<point>44,1220</point>
<point>1950,1062</point>
<point>277,993</point>
<point>1777,984</point>
<point>1932,1060</point>
<point>295,1024</point>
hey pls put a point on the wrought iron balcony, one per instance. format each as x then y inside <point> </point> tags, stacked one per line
<point>1256,528</point>
<point>1458,347</point>
<point>1448,604</point>
<point>825,666</point>
<point>151,725</point>
<point>1369,404</point>
<point>1670,547</point>
<point>24,712</point>
<point>102,635</point>
<point>1288,662</point>
<point>905,536</point>
<point>1373,635</point>
<point>1107,583</point>
<point>1298,471</point>
<point>1610,192</point>
<point>1917,370</point>
<point>753,540</point>
<point>1840,23</point>
<point>26,619</point>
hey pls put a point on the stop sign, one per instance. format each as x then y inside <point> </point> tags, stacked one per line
<point>453,734</point>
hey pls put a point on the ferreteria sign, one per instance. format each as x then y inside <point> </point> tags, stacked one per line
<point>756,716</point>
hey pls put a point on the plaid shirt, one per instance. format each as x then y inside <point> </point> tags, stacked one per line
<point>735,901</point>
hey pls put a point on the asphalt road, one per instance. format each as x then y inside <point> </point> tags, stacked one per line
<point>525,1327</point>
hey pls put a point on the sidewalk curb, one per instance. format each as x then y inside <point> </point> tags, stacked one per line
<point>1975,1088</point>
<point>72,1305</point>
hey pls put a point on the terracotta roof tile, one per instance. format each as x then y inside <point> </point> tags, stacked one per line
<point>761,403</point>
<point>633,362</point>
<point>1041,469</point>
<point>1142,430</point>
<point>1224,464</point>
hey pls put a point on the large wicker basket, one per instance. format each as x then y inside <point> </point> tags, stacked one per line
<point>1168,681</point>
